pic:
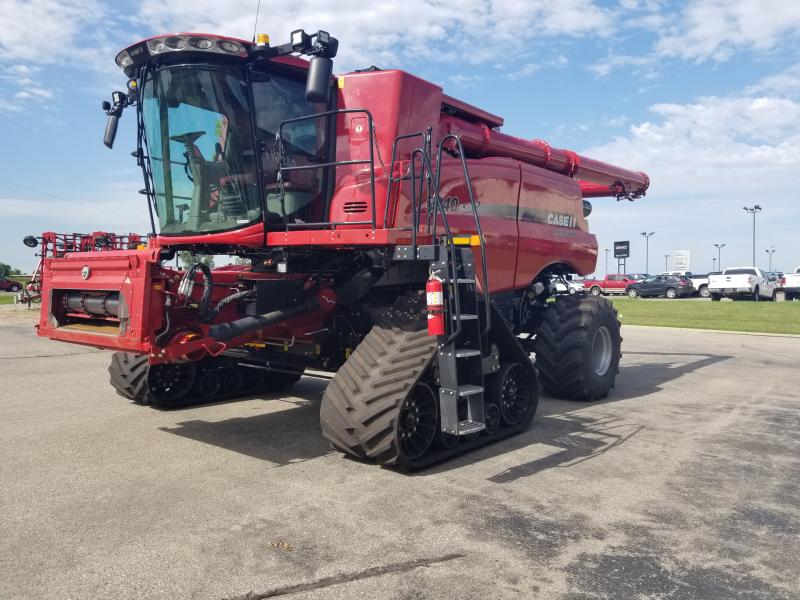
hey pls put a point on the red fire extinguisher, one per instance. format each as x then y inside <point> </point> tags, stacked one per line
<point>434,291</point>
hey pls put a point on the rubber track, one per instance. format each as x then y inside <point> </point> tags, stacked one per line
<point>561,341</point>
<point>361,404</point>
<point>128,373</point>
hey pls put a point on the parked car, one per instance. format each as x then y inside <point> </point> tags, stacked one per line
<point>668,286</point>
<point>741,282</point>
<point>791,285</point>
<point>573,286</point>
<point>699,282</point>
<point>610,284</point>
<point>9,285</point>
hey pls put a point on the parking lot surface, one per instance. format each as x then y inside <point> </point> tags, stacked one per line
<point>685,483</point>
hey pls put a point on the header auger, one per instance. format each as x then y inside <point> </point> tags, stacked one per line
<point>346,197</point>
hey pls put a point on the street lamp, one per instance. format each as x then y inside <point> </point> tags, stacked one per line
<point>606,262</point>
<point>771,251</point>
<point>714,265</point>
<point>753,210</point>
<point>647,250</point>
<point>666,267</point>
<point>719,248</point>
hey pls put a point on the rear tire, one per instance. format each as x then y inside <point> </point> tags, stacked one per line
<point>578,348</point>
<point>14,288</point>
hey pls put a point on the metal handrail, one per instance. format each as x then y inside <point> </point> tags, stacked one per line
<point>371,162</point>
<point>473,205</point>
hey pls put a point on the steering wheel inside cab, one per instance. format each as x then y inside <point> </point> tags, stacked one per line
<point>192,153</point>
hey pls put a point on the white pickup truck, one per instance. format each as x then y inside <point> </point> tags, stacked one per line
<point>791,284</point>
<point>741,282</point>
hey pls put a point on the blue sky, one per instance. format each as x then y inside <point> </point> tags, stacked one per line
<point>703,95</point>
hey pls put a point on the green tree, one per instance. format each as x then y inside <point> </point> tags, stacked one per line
<point>188,259</point>
<point>5,270</point>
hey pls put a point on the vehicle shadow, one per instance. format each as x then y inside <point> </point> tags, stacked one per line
<point>287,435</point>
<point>576,431</point>
<point>639,376</point>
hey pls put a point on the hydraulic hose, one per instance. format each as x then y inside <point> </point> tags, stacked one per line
<point>225,301</point>
<point>187,285</point>
<point>325,300</point>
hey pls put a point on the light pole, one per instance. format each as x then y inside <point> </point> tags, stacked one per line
<point>771,251</point>
<point>666,263</point>
<point>606,262</point>
<point>714,264</point>
<point>753,210</point>
<point>647,250</point>
<point>719,248</point>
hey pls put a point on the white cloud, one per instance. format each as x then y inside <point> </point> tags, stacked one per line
<point>474,31</point>
<point>716,29</point>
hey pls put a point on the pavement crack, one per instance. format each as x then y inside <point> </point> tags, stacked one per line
<point>390,569</point>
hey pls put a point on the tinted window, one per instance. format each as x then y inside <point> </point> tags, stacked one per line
<point>740,272</point>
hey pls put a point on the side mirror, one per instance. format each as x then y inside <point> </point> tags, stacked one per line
<point>318,84</point>
<point>111,130</point>
<point>114,111</point>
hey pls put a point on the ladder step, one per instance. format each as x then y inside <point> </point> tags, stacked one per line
<point>460,280</point>
<point>468,427</point>
<point>466,317</point>
<point>465,353</point>
<point>469,390</point>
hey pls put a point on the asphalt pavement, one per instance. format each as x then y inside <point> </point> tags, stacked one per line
<point>684,484</point>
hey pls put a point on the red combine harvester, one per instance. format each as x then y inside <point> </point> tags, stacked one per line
<point>395,237</point>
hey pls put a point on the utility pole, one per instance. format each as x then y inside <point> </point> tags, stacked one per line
<point>666,263</point>
<point>719,248</point>
<point>647,250</point>
<point>771,251</point>
<point>753,210</point>
<point>606,262</point>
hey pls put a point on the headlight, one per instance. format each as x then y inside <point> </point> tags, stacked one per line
<point>231,47</point>
<point>175,42</point>
<point>201,43</point>
<point>123,59</point>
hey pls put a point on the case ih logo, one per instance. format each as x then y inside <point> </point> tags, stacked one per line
<point>561,220</point>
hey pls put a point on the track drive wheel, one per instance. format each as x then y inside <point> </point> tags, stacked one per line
<point>164,385</point>
<point>513,393</point>
<point>378,406</point>
<point>578,348</point>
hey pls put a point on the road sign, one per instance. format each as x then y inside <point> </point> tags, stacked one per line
<point>679,260</point>
<point>622,249</point>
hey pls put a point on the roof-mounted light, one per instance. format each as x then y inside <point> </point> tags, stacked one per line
<point>123,59</point>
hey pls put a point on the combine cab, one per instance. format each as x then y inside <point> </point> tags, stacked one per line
<point>392,235</point>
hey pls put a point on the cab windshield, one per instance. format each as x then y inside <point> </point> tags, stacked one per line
<point>200,143</point>
<point>197,121</point>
